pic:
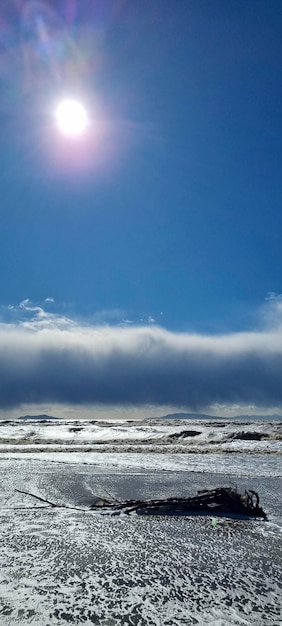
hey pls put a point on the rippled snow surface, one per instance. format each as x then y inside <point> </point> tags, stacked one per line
<point>72,565</point>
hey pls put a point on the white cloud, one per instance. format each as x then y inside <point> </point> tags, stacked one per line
<point>147,320</point>
<point>273,296</point>
<point>126,322</point>
<point>270,313</point>
<point>50,358</point>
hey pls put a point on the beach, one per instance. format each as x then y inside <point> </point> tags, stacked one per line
<point>73,565</point>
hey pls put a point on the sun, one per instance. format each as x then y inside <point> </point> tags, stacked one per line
<point>71,117</point>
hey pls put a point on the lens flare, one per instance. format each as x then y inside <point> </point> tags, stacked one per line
<point>71,117</point>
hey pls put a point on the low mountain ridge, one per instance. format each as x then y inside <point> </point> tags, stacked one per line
<point>204,416</point>
<point>38,417</point>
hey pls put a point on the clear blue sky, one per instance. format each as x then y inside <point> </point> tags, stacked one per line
<point>172,211</point>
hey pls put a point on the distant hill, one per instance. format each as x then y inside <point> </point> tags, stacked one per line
<point>203,416</point>
<point>170,416</point>
<point>38,418</point>
<point>182,416</point>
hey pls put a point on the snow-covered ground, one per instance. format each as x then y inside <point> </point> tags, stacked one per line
<point>71,565</point>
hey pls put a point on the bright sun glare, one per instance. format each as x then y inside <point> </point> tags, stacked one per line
<point>71,117</point>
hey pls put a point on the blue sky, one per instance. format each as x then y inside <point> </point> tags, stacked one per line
<point>167,217</point>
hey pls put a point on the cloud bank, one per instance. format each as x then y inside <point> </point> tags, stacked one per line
<point>50,359</point>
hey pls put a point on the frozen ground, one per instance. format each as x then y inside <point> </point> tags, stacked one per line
<point>60,566</point>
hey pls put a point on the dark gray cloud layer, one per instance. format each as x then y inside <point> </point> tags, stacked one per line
<point>137,366</point>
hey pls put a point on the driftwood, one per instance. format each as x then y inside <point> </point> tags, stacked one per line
<point>52,504</point>
<point>222,501</point>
